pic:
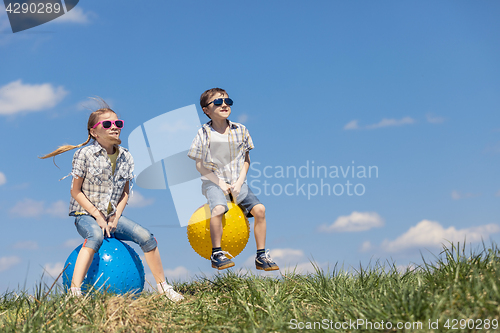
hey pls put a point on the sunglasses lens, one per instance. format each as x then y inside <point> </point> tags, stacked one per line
<point>229,101</point>
<point>217,101</point>
<point>119,123</point>
<point>106,124</point>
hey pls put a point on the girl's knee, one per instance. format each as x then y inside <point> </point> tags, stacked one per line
<point>145,239</point>
<point>149,245</point>
<point>94,240</point>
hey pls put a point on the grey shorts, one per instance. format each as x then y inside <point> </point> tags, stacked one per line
<point>246,199</point>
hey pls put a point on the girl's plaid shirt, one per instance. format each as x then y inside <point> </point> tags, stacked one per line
<point>239,143</point>
<point>100,186</point>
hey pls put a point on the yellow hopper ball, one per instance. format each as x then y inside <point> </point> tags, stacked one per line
<point>235,234</point>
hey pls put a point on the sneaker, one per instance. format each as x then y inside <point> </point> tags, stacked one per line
<point>172,294</point>
<point>220,261</point>
<point>75,292</point>
<point>264,262</point>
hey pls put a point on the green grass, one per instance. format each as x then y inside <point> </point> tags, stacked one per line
<point>455,286</point>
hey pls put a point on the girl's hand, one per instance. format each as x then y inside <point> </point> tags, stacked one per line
<point>104,226</point>
<point>113,222</point>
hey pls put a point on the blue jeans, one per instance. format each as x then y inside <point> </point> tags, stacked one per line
<point>126,230</point>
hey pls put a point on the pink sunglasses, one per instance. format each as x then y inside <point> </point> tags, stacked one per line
<point>107,123</point>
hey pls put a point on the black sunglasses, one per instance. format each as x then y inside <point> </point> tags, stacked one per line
<point>219,101</point>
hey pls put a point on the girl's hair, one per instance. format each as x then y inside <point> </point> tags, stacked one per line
<point>94,116</point>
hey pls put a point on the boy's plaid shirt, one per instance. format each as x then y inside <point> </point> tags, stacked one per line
<point>100,186</point>
<point>239,143</point>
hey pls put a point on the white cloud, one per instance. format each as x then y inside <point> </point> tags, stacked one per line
<point>434,119</point>
<point>355,222</point>
<point>405,268</point>
<point>28,208</point>
<point>178,273</point>
<point>26,245</point>
<point>431,234</point>
<point>352,125</point>
<point>53,269</point>
<point>392,122</point>
<point>282,255</point>
<point>8,262</point>
<point>288,260</point>
<point>137,200</point>
<point>33,208</point>
<point>366,246</point>
<point>76,15</point>
<point>456,195</point>
<point>301,268</point>
<point>17,97</point>
<point>58,209</point>
<point>73,243</point>
<point>3,179</point>
<point>243,118</point>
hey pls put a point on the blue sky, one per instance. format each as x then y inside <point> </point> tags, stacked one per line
<point>410,88</point>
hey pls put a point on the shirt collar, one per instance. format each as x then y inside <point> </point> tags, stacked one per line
<point>96,148</point>
<point>231,124</point>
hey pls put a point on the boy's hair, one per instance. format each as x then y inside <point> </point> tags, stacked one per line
<point>208,94</point>
<point>94,116</point>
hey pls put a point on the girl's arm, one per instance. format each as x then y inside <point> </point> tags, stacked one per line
<point>113,219</point>
<point>84,202</point>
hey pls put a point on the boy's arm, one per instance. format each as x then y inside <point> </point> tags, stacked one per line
<point>211,176</point>
<point>236,187</point>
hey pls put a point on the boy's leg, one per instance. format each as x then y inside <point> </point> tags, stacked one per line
<point>259,214</point>
<point>88,228</point>
<point>218,207</point>
<point>253,207</point>
<point>216,225</point>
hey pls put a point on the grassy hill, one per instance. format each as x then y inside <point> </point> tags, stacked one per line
<point>457,292</point>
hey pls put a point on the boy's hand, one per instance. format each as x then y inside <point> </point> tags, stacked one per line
<point>104,226</point>
<point>235,190</point>
<point>113,222</point>
<point>224,187</point>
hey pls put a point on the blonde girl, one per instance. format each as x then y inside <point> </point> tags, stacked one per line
<point>102,172</point>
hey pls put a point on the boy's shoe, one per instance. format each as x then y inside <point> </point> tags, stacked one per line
<point>264,262</point>
<point>172,294</point>
<point>220,261</point>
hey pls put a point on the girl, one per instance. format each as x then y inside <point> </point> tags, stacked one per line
<point>102,172</point>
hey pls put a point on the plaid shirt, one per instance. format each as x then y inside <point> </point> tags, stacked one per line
<point>100,186</point>
<point>239,143</point>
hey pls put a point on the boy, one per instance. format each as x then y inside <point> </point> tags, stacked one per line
<point>221,151</point>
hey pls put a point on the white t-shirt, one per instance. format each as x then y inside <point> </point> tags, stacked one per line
<point>220,152</point>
